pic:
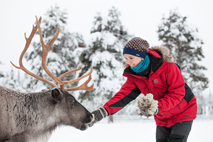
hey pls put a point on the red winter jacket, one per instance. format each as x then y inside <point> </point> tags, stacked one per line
<point>176,101</point>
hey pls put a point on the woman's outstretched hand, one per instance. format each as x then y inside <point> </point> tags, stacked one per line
<point>98,115</point>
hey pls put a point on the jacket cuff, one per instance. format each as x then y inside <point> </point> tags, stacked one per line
<point>107,110</point>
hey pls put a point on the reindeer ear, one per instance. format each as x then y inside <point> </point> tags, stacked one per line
<point>57,94</point>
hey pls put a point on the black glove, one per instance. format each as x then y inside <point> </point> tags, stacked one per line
<point>98,115</point>
<point>143,113</point>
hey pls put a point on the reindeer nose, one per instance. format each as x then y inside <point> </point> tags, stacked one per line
<point>88,117</point>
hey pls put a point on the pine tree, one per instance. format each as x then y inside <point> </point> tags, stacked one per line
<point>61,56</point>
<point>104,54</point>
<point>182,39</point>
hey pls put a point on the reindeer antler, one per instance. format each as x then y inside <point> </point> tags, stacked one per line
<point>45,48</point>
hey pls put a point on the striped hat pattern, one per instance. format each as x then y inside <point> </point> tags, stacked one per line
<point>137,47</point>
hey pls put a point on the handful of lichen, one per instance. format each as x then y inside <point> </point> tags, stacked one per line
<point>147,104</point>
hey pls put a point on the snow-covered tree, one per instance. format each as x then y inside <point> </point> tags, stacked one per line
<point>104,54</point>
<point>61,56</point>
<point>186,46</point>
<point>201,104</point>
<point>13,80</point>
<point>210,104</point>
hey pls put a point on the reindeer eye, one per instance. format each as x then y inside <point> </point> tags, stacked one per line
<point>70,100</point>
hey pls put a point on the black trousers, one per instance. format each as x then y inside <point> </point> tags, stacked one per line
<point>177,133</point>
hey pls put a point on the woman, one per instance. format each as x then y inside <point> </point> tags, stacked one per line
<point>153,71</point>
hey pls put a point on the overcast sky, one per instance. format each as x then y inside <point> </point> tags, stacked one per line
<point>140,17</point>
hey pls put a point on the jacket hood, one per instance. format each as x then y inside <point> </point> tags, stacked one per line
<point>165,52</point>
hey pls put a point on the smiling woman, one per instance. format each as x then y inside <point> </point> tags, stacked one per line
<point>159,76</point>
<point>131,60</point>
<point>135,53</point>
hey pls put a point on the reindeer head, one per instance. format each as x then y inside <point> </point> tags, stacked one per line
<point>70,111</point>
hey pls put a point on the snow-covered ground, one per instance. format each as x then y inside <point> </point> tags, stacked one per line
<point>131,129</point>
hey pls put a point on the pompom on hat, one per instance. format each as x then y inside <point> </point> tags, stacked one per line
<point>137,47</point>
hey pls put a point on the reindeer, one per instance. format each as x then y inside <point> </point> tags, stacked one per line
<point>31,117</point>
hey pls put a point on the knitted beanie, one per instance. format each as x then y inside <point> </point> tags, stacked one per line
<point>137,47</point>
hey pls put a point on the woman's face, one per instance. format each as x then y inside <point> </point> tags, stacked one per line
<point>132,60</point>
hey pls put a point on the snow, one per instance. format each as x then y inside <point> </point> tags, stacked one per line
<point>129,129</point>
